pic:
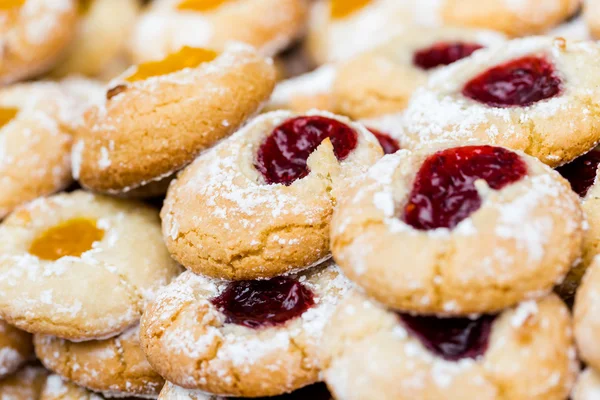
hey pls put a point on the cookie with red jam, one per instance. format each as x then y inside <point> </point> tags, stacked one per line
<point>459,230</point>
<point>317,391</point>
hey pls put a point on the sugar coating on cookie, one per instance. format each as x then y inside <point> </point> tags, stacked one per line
<point>239,348</point>
<point>550,113</point>
<point>381,81</point>
<point>34,35</point>
<point>15,348</point>
<point>25,384</point>
<point>317,391</point>
<point>61,255</point>
<point>116,367</point>
<point>588,386</point>
<point>527,353</point>
<point>259,209</point>
<point>510,230</point>
<point>268,25</point>
<point>158,116</point>
<point>56,388</point>
<point>388,129</point>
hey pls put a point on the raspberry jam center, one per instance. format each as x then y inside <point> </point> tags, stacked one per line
<point>70,238</point>
<point>452,339</point>
<point>387,143</point>
<point>263,303</point>
<point>443,54</point>
<point>199,5</point>
<point>343,8</point>
<point>282,157</point>
<point>7,115</point>
<point>444,191</point>
<point>187,57</point>
<point>581,172</point>
<point>521,82</point>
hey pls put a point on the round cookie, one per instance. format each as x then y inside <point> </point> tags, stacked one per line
<point>34,34</point>
<point>591,14</point>
<point>585,312</point>
<point>116,367</point>
<point>60,256</point>
<point>15,348</point>
<point>26,384</point>
<point>101,40</point>
<point>523,353</point>
<point>248,338</point>
<point>587,387</point>
<point>487,228</point>
<point>531,94</point>
<point>381,81</point>
<point>262,200</point>
<point>159,116</point>
<point>514,18</point>
<point>317,391</point>
<point>268,25</point>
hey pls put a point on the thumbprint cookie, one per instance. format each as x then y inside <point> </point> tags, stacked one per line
<point>268,25</point>
<point>33,36</point>
<point>16,348</point>
<point>529,95</point>
<point>588,386</point>
<point>525,352</point>
<point>158,116</point>
<point>116,367</point>
<point>382,81</point>
<point>259,204</point>
<point>241,338</point>
<point>61,256</point>
<point>455,231</point>
<point>586,314</point>
<point>26,384</point>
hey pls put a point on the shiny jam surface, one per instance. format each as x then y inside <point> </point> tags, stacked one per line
<point>282,157</point>
<point>7,115</point>
<point>452,339</point>
<point>6,5</point>
<point>199,5</point>
<point>444,191</point>
<point>387,143</point>
<point>343,8</point>
<point>70,238</point>
<point>186,57</point>
<point>521,82</point>
<point>443,54</point>
<point>581,172</point>
<point>263,303</point>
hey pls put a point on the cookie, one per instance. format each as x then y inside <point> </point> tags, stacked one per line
<point>524,352</point>
<point>101,39</point>
<point>116,367</point>
<point>268,25</point>
<point>487,228</point>
<point>60,256</point>
<point>159,116</point>
<point>262,200</point>
<point>388,130</point>
<point>515,18</point>
<point>591,14</point>
<point>26,384</point>
<point>34,35</point>
<point>15,348</point>
<point>587,323</point>
<point>587,387</point>
<point>244,338</point>
<point>56,388</point>
<point>381,81</point>
<point>317,391</point>
<point>530,94</point>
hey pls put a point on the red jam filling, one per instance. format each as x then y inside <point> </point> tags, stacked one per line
<point>263,303</point>
<point>452,339</point>
<point>388,143</point>
<point>581,172</point>
<point>443,54</point>
<point>282,157</point>
<point>444,192</point>
<point>521,82</point>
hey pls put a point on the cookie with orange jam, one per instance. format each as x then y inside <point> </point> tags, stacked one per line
<point>33,36</point>
<point>268,25</point>
<point>158,116</point>
<point>81,266</point>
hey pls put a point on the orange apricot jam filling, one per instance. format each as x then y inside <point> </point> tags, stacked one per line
<point>199,5</point>
<point>70,238</point>
<point>7,5</point>
<point>7,114</point>
<point>187,57</point>
<point>343,8</point>
<point>84,6</point>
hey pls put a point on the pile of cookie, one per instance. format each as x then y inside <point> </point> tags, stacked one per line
<point>299,199</point>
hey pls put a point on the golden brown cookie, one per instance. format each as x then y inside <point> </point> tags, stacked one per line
<point>457,230</point>
<point>159,116</point>
<point>268,25</point>
<point>259,204</point>
<point>56,388</point>
<point>61,257</point>
<point>248,338</point>
<point>116,367</point>
<point>588,386</point>
<point>26,384</point>
<point>15,348</point>
<point>524,352</point>
<point>530,94</point>
<point>34,34</point>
